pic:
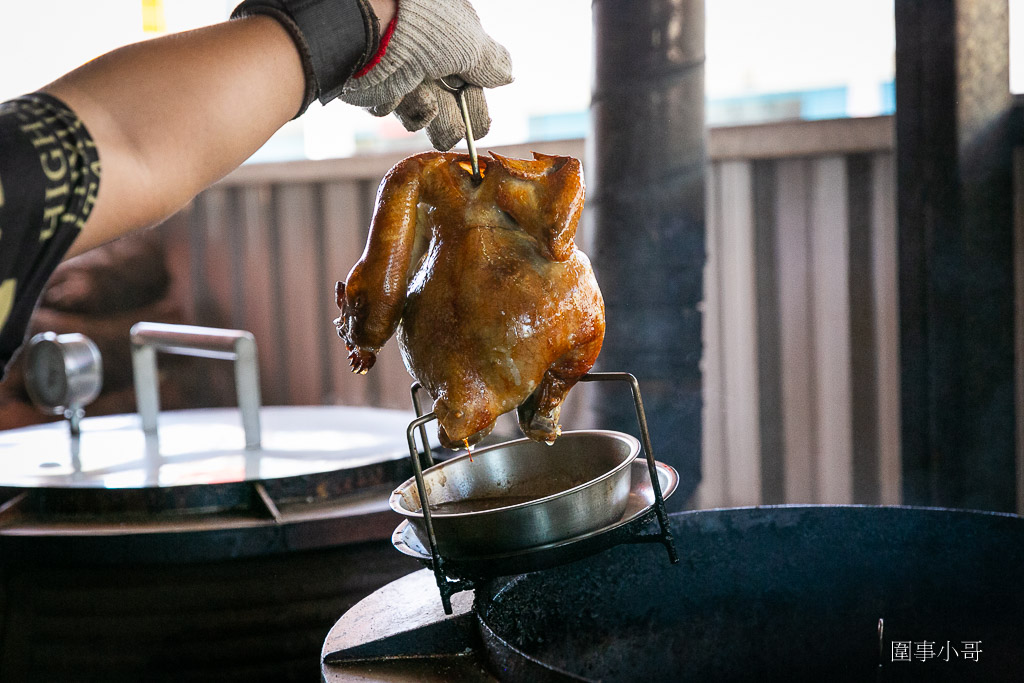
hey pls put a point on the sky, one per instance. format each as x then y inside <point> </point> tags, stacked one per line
<point>752,47</point>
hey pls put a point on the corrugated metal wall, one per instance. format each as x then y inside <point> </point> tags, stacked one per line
<point>801,383</point>
<point>801,376</point>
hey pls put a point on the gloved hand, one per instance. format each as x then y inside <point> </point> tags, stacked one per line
<point>432,39</point>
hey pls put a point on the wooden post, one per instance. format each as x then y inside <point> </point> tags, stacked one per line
<point>954,180</point>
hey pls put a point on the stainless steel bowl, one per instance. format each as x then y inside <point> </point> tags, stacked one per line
<point>522,494</point>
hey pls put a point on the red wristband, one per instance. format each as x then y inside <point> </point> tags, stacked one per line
<point>384,39</point>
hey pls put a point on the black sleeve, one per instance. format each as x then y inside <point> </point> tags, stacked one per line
<point>49,179</point>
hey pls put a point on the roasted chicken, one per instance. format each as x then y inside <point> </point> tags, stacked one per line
<point>494,305</point>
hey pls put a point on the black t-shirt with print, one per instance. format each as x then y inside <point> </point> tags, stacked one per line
<point>49,179</point>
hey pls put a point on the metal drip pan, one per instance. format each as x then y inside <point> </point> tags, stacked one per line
<point>638,510</point>
<point>522,494</point>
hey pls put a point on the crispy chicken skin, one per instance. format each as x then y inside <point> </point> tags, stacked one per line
<point>494,306</point>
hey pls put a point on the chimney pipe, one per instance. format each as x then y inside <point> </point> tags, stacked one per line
<point>645,205</point>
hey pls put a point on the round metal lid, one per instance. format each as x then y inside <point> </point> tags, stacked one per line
<point>200,447</point>
<point>198,463</point>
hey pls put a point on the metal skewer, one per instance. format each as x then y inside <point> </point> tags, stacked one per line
<point>457,87</point>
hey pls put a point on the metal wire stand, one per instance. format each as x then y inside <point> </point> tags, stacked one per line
<point>447,585</point>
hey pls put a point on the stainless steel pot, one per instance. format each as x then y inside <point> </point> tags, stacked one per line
<point>522,494</point>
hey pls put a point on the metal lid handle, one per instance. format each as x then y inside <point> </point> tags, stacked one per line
<point>205,342</point>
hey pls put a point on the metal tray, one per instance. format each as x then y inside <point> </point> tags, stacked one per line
<point>639,510</point>
<point>522,494</point>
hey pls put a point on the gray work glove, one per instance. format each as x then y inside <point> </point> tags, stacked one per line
<point>433,39</point>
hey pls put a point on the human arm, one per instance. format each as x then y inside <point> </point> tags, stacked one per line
<point>127,139</point>
<point>172,115</point>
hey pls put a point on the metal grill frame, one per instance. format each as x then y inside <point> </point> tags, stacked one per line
<point>447,576</point>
